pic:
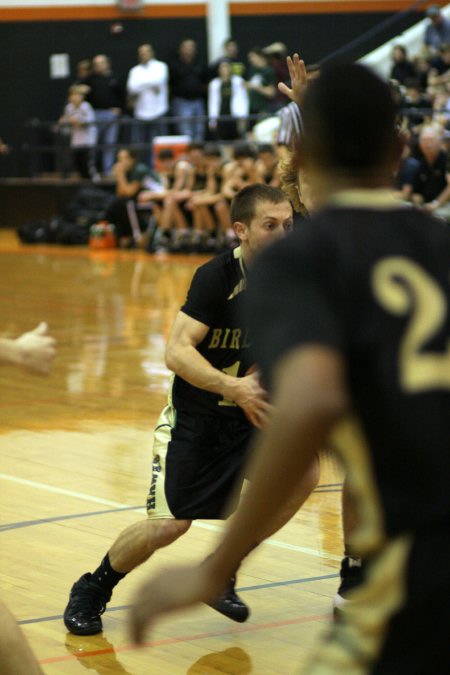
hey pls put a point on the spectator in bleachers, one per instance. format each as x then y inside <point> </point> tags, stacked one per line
<point>227,96</point>
<point>422,67</point>
<point>437,32</point>
<point>84,69</point>
<point>402,68</point>
<point>79,118</point>
<point>230,55</point>
<point>174,176</point>
<point>106,97</point>
<point>432,185</point>
<point>188,90</point>
<point>147,87</point>
<point>439,73</point>
<point>261,83</point>
<point>267,165</point>
<point>241,171</point>
<point>416,101</point>
<point>130,177</point>
<point>407,172</point>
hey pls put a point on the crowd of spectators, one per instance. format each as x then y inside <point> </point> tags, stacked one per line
<point>217,101</point>
<point>421,86</point>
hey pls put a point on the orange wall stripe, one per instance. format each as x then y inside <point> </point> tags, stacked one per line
<point>89,13</point>
<point>83,13</point>
<point>328,7</point>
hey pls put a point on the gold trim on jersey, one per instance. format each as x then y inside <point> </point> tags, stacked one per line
<point>380,198</point>
<point>242,284</point>
<point>349,439</point>
<point>357,638</point>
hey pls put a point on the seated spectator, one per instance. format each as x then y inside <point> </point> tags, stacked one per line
<point>415,101</point>
<point>79,117</point>
<point>261,84</point>
<point>267,165</point>
<point>211,213</point>
<point>227,96</point>
<point>437,32</point>
<point>130,178</point>
<point>165,201</point>
<point>432,184</point>
<point>407,174</point>
<point>402,68</point>
<point>241,171</point>
<point>422,67</point>
<point>439,73</point>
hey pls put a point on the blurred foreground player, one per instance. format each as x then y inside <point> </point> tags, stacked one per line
<point>35,352</point>
<point>202,437</point>
<point>350,318</point>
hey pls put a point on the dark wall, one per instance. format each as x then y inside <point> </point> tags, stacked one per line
<point>26,90</point>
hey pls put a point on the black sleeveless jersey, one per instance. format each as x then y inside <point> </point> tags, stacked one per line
<point>215,298</point>
<point>372,283</point>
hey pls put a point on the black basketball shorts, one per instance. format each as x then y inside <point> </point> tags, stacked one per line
<point>198,465</point>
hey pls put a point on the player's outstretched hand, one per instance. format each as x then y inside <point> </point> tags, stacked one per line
<point>248,393</point>
<point>299,79</point>
<point>173,589</point>
<point>36,349</point>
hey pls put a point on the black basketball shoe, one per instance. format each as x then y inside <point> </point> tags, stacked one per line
<point>87,602</point>
<point>352,576</point>
<point>230,604</point>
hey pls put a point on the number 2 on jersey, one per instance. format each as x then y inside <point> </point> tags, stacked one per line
<point>403,288</point>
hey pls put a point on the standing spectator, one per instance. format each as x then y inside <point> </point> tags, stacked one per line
<point>227,96</point>
<point>276,54</point>
<point>231,56</point>
<point>432,184</point>
<point>187,86</point>
<point>438,31</point>
<point>402,68</point>
<point>147,86</point>
<point>79,116</point>
<point>84,69</point>
<point>106,98</point>
<point>261,83</point>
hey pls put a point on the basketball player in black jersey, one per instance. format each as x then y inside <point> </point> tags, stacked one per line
<point>202,436</point>
<point>350,317</point>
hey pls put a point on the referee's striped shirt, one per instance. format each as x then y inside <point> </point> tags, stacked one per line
<point>291,125</point>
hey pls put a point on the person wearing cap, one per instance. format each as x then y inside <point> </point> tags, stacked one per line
<point>438,30</point>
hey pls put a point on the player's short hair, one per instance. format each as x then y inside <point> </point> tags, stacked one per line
<point>349,120</point>
<point>266,147</point>
<point>243,206</point>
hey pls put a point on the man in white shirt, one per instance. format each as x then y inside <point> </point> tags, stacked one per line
<point>147,86</point>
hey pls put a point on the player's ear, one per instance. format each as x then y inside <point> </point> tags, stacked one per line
<point>241,230</point>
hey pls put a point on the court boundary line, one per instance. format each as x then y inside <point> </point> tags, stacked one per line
<point>186,638</point>
<point>243,589</point>
<point>202,525</point>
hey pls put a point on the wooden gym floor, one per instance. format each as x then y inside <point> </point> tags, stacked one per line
<point>74,471</point>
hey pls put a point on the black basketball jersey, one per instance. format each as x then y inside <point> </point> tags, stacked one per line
<point>372,283</point>
<point>214,298</point>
